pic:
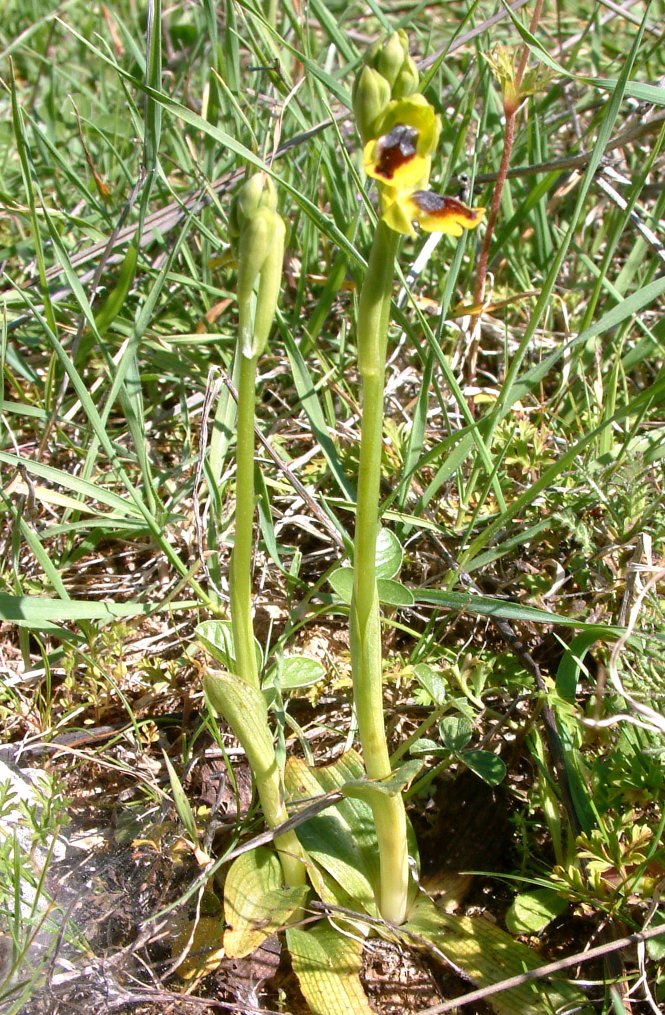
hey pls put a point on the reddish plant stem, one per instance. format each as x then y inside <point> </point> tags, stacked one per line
<point>510,112</point>
<point>508,138</point>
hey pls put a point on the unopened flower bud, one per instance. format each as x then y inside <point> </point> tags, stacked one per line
<point>371,95</point>
<point>407,81</point>
<point>260,259</point>
<point>256,193</point>
<point>391,56</point>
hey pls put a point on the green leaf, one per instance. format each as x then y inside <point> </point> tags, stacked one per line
<point>532,911</point>
<point>255,903</point>
<point>246,712</point>
<point>389,554</point>
<point>391,593</point>
<point>656,947</point>
<point>217,637</point>
<point>327,965</point>
<point>489,955</point>
<point>300,671</point>
<point>427,747</point>
<point>432,682</point>
<point>400,779</point>
<point>182,804</point>
<point>486,606</point>
<point>38,611</point>
<point>341,581</point>
<point>455,732</point>
<point>571,664</point>
<point>488,766</point>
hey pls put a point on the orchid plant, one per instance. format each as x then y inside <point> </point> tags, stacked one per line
<point>257,233</point>
<point>400,130</point>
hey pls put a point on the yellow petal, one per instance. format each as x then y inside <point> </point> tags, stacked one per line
<point>396,211</point>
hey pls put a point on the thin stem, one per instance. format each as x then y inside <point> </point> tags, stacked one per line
<point>366,650</point>
<point>510,112</point>
<point>240,574</point>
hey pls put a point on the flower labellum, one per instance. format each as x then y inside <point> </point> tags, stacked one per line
<point>440,214</point>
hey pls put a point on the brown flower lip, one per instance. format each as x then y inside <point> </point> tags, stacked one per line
<point>438,206</point>
<point>395,150</point>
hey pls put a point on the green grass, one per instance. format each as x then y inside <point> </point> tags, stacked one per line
<point>528,492</point>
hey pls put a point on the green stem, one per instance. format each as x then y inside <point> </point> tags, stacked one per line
<point>366,650</point>
<point>262,762</point>
<point>240,573</point>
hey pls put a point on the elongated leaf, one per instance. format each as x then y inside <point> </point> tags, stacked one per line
<point>123,507</point>
<point>327,965</point>
<point>486,606</point>
<point>570,666</point>
<point>182,804</point>
<point>41,612</point>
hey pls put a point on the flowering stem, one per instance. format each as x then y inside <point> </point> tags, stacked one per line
<point>240,574</point>
<point>366,650</point>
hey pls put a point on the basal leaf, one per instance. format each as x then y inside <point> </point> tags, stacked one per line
<point>255,903</point>
<point>341,840</point>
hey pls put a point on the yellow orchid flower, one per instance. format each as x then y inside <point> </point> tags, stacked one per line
<point>400,159</point>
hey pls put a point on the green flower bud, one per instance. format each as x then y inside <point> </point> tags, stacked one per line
<point>407,81</point>
<point>260,258</point>
<point>256,193</point>
<point>371,95</point>
<point>391,56</point>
